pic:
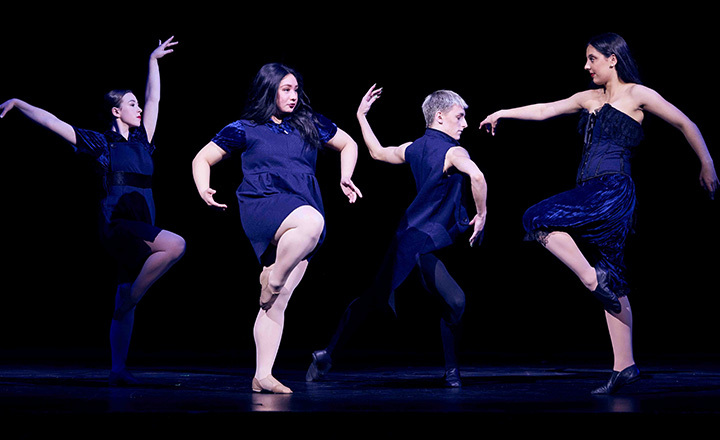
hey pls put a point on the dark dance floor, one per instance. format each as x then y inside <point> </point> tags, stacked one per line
<point>38,398</point>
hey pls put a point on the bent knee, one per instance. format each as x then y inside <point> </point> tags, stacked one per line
<point>311,222</point>
<point>174,245</point>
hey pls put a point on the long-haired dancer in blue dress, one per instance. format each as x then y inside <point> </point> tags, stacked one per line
<point>599,210</point>
<point>434,220</point>
<point>281,208</point>
<point>143,251</point>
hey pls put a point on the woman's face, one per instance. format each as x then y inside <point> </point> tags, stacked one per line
<point>600,67</point>
<point>129,111</point>
<point>287,94</point>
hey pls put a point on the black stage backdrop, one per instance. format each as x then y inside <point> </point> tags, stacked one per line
<point>58,283</point>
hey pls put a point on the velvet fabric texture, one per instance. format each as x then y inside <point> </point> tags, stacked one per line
<point>127,207</point>
<point>599,211</point>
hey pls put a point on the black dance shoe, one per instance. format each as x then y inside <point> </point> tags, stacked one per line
<point>452,378</point>
<point>604,294</point>
<point>319,367</point>
<point>618,380</point>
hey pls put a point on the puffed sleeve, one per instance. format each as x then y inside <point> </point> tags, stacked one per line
<point>232,137</point>
<point>326,128</point>
<point>92,143</point>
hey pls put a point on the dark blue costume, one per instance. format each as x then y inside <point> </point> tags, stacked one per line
<point>436,216</point>
<point>127,209</point>
<point>278,176</point>
<point>433,221</point>
<point>599,210</point>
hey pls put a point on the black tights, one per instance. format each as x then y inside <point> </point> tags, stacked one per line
<point>436,280</point>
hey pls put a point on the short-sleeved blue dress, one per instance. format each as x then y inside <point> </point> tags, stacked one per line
<point>127,208</point>
<point>278,176</point>
<point>599,211</point>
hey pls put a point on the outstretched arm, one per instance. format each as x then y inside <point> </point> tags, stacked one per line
<point>459,158</point>
<point>152,88</point>
<point>394,155</point>
<point>537,112</point>
<point>42,117</point>
<point>651,101</point>
<point>208,156</point>
<point>348,149</point>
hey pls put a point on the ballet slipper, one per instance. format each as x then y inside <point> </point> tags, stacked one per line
<point>267,296</point>
<point>269,385</point>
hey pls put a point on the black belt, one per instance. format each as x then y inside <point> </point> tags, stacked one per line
<point>123,178</point>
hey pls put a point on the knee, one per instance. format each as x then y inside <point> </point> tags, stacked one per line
<point>175,247</point>
<point>313,225</point>
<point>455,309</point>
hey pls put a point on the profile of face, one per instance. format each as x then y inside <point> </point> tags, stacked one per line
<point>451,121</point>
<point>287,94</point>
<point>600,67</point>
<point>129,111</point>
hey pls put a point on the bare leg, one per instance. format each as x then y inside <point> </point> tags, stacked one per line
<point>564,248</point>
<point>620,328</point>
<point>562,245</point>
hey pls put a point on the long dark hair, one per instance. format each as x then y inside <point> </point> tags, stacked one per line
<point>613,44</point>
<point>261,106</point>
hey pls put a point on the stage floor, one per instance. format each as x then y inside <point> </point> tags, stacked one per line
<point>41,398</point>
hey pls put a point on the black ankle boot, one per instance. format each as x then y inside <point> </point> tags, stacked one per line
<point>618,380</point>
<point>320,365</point>
<point>604,294</point>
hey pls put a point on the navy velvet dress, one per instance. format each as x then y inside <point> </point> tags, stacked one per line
<point>278,177</point>
<point>599,210</point>
<point>127,208</point>
<point>435,217</point>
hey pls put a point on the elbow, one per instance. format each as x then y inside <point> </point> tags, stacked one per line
<point>376,155</point>
<point>477,178</point>
<point>200,161</point>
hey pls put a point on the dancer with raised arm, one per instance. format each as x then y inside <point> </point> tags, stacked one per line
<point>434,220</point>
<point>123,154</point>
<point>599,210</point>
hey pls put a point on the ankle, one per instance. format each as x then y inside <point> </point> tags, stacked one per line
<point>590,281</point>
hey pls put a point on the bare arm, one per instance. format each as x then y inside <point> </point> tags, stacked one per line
<point>208,156</point>
<point>459,158</point>
<point>394,155</point>
<point>537,112</point>
<point>41,117</point>
<point>152,88</point>
<point>651,101</point>
<point>348,149</point>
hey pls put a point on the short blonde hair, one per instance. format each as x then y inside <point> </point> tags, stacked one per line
<point>440,101</point>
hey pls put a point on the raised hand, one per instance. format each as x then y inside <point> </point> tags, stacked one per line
<point>370,97</point>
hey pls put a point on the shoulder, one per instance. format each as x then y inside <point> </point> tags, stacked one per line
<point>588,99</point>
<point>236,128</point>
<point>326,128</point>
<point>89,139</point>
<point>643,94</point>
<point>232,136</point>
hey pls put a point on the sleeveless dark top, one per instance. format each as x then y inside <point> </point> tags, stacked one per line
<point>610,139</point>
